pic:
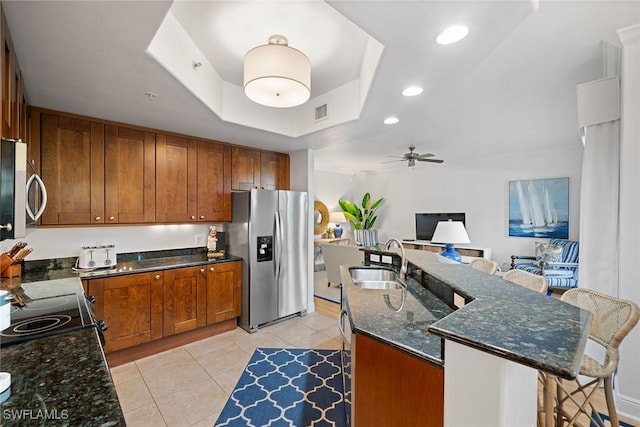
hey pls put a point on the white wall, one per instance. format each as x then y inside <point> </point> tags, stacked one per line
<point>66,242</point>
<point>480,189</point>
<point>302,179</point>
<point>628,379</point>
<point>331,187</point>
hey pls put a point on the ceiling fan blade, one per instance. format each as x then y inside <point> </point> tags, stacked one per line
<point>424,156</point>
<point>431,160</point>
<point>398,157</point>
<point>393,161</point>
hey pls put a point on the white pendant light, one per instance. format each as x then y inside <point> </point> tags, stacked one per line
<point>277,75</point>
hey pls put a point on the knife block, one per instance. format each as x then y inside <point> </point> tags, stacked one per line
<point>8,268</point>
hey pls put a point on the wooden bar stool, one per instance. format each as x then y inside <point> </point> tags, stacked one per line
<point>613,319</point>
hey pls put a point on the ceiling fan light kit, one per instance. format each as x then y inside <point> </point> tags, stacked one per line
<point>277,75</point>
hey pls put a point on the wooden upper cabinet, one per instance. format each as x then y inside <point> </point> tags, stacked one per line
<point>259,169</point>
<point>72,154</point>
<point>12,107</point>
<point>245,169</point>
<point>214,182</point>
<point>176,179</point>
<point>274,171</point>
<point>224,292</point>
<point>130,176</point>
<point>185,299</point>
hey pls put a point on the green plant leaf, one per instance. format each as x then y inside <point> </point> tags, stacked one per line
<point>366,201</point>
<point>377,203</point>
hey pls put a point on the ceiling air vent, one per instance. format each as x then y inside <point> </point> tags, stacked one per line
<point>321,112</point>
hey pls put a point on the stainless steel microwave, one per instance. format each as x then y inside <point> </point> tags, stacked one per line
<point>18,196</point>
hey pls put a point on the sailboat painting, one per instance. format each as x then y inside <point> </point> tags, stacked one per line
<point>539,208</point>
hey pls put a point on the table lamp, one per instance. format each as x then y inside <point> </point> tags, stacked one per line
<point>337,218</point>
<point>449,233</point>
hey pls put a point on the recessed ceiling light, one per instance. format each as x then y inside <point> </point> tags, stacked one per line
<point>452,34</point>
<point>412,91</point>
<point>391,120</point>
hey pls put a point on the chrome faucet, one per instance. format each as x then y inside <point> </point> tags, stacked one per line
<point>403,262</point>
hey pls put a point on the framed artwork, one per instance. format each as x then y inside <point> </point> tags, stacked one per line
<point>539,208</point>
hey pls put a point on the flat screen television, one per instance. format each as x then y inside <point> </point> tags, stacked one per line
<point>426,223</point>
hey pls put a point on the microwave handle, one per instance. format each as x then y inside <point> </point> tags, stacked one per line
<point>35,178</point>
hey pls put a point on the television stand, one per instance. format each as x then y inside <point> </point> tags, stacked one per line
<point>468,253</point>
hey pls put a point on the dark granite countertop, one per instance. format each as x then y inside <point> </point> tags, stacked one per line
<point>63,379</point>
<point>499,317</point>
<point>373,314</point>
<point>128,263</point>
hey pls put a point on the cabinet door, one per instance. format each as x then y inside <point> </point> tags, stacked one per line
<point>185,304</point>
<point>274,171</point>
<point>131,306</point>
<point>224,292</point>
<point>130,172</point>
<point>393,388</point>
<point>72,167</point>
<point>176,179</point>
<point>214,182</point>
<point>245,169</point>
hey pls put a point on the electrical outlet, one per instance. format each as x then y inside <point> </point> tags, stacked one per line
<point>200,240</point>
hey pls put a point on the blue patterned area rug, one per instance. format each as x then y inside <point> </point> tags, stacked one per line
<point>287,387</point>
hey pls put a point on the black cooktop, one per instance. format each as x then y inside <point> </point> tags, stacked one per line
<point>47,316</point>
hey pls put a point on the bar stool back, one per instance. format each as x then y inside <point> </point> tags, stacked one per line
<point>528,280</point>
<point>613,319</point>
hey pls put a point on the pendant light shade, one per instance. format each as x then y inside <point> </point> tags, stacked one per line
<point>277,75</point>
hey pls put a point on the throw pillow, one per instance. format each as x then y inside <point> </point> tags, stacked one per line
<point>548,253</point>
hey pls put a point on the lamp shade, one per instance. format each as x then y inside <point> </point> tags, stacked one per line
<point>337,217</point>
<point>450,232</point>
<point>277,75</point>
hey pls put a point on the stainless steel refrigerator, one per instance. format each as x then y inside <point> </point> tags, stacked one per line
<point>269,230</point>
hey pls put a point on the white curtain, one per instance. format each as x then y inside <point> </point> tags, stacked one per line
<point>599,208</point>
<point>599,121</point>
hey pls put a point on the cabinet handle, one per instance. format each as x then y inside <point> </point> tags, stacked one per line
<point>201,216</point>
<point>193,217</point>
<point>157,277</point>
<point>211,269</point>
<point>111,218</point>
<point>202,270</point>
<point>343,315</point>
<point>98,218</point>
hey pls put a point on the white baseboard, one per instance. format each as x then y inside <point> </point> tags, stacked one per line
<point>627,406</point>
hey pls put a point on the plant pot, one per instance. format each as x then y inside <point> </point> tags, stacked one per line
<point>366,237</point>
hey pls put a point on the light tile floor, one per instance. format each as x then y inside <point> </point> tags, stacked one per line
<point>189,385</point>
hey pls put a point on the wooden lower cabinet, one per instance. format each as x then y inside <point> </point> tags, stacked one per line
<point>131,306</point>
<point>393,388</point>
<point>185,299</point>
<point>224,288</point>
<point>147,307</point>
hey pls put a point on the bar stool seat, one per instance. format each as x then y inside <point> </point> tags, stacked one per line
<point>613,319</point>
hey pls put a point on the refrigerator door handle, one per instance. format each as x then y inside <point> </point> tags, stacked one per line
<point>278,244</point>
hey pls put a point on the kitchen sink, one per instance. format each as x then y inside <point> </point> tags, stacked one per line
<point>375,278</point>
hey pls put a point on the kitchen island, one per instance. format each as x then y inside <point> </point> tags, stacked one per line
<point>495,339</point>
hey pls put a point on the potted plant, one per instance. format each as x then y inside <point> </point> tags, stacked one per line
<point>362,218</point>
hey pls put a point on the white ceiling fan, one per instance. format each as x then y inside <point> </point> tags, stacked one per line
<point>412,157</point>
